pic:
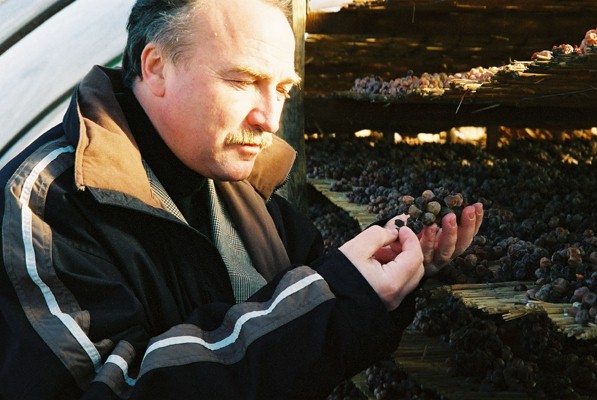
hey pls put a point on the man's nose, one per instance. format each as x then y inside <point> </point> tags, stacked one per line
<point>267,111</point>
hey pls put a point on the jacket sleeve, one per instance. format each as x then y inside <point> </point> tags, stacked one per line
<point>295,339</point>
<point>304,244</point>
<point>302,240</point>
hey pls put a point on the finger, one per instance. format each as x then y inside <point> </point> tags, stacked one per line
<point>396,246</point>
<point>479,216</point>
<point>467,230</point>
<point>393,280</point>
<point>391,224</point>
<point>407,268</point>
<point>428,238</point>
<point>446,242</point>
<point>409,240</point>
<point>388,253</point>
<point>385,254</point>
<point>364,246</point>
<point>410,260</point>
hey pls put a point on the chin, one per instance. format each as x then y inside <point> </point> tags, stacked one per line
<point>238,173</point>
<point>235,178</point>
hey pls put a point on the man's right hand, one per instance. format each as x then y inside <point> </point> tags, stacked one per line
<point>390,260</point>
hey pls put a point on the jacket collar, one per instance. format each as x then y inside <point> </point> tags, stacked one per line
<point>108,158</point>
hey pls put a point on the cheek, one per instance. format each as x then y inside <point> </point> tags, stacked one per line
<point>227,115</point>
<point>206,113</point>
<point>188,113</point>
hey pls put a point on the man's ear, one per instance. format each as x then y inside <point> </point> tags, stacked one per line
<point>152,69</point>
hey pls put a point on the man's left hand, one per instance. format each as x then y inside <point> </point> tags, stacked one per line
<point>442,245</point>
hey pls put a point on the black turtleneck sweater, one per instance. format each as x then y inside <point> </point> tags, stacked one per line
<point>187,188</point>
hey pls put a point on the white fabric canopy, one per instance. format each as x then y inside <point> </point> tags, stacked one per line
<point>39,71</point>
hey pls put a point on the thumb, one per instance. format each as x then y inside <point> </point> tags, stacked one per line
<point>367,243</point>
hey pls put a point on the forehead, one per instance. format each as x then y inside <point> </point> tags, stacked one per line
<point>247,34</point>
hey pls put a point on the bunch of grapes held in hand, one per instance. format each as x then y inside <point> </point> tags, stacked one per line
<point>429,208</point>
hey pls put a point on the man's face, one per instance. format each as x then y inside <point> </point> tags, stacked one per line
<point>224,101</point>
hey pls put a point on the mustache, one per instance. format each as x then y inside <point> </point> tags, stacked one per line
<point>250,137</point>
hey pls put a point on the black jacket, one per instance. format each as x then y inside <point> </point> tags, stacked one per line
<point>105,294</point>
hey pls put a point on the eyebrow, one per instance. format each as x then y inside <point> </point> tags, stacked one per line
<point>293,79</point>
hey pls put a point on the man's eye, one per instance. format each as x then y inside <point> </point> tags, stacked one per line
<point>284,92</point>
<point>242,83</point>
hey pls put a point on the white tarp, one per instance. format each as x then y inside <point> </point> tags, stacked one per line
<point>44,66</point>
<point>16,14</point>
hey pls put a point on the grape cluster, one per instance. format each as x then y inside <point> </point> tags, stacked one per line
<point>562,367</point>
<point>493,353</point>
<point>387,381</point>
<point>429,208</point>
<point>437,318</point>
<point>334,224</point>
<point>482,354</point>
<point>427,82</point>
<point>346,390</point>
<point>588,45</point>
<point>584,306</point>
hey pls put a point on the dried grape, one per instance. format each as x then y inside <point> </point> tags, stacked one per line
<point>430,208</point>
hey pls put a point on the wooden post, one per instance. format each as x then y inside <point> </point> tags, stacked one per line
<point>492,138</point>
<point>293,121</point>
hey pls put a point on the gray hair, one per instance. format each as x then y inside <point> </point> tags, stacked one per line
<point>169,24</point>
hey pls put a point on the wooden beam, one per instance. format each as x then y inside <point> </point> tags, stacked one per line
<point>346,116</point>
<point>565,24</point>
<point>293,122</point>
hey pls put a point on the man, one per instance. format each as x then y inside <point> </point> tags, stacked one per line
<point>145,253</point>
